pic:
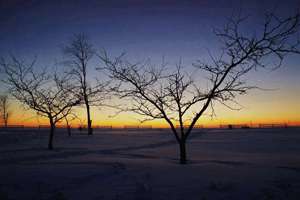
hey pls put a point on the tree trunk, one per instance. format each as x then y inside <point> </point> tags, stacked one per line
<point>69,130</point>
<point>5,123</point>
<point>68,126</point>
<point>52,128</point>
<point>89,123</point>
<point>5,116</point>
<point>182,147</point>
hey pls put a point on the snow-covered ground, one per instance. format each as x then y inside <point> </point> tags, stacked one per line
<point>241,164</point>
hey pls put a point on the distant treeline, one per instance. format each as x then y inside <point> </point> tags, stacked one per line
<point>134,127</point>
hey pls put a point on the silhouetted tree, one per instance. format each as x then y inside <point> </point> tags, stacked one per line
<point>79,54</point>
<point>48,94</point>
<point>68,118</point>
<point>5,113</point>
<point>157,93</point>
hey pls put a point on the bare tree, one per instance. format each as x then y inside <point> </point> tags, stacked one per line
<point>79,54</point>
<point>48,94</point>
<point>5,113</point>
<point>69,118</point>
<point>157,93</point>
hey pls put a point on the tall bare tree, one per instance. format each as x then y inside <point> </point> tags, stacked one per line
<point>5,113</point>
<point>79,54</point>
<point>157,93</point>
<point>47,93</point>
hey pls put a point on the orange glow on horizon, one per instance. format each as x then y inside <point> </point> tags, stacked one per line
<point>258,108</point>
<point>206,123</point>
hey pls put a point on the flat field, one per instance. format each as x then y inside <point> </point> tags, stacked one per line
<point>246,164</point>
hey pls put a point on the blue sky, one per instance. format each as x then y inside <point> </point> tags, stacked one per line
<point>143,29</point>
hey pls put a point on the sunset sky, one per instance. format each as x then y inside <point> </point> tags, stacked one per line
<point>149,29</point>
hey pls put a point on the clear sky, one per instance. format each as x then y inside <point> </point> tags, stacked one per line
<point>150,29</point>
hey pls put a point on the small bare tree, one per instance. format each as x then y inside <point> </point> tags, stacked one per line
<point>48,94</point>
<point>176,97</point>
<point>5,113</point>
<point>69,118</point>
<point>79,53</point>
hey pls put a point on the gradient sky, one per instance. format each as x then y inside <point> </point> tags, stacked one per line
<point>151,29</point>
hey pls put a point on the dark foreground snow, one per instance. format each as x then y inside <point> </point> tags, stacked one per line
<point>119,165</point>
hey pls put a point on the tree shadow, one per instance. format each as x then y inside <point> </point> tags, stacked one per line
<point>64,153</point>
